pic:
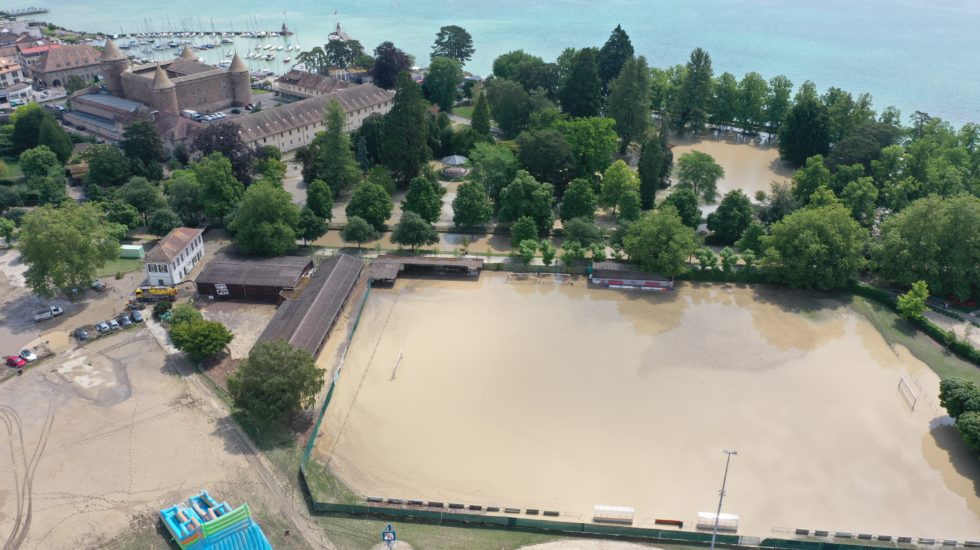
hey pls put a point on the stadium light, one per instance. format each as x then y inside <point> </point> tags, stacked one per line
<point>721,497</point>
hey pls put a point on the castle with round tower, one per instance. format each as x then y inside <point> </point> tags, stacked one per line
<point>172,86</point>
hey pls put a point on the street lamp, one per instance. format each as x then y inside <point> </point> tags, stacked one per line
<point>721,497</point>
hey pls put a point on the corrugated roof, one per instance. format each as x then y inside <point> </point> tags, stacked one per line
<point>170,246</point>
<point>269,122</point>
<point>306,321</point>
<point>111,101</point>
<point>282,271</point>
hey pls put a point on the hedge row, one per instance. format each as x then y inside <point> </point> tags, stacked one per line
<point>719,276</point>
<point>963,350</point>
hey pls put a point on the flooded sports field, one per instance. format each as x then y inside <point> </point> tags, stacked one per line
<point>548,394</point>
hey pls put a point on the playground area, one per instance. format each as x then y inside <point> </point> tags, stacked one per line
<point>533,393</point>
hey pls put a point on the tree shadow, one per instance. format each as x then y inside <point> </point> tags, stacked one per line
<point>796,301</point>
<point>961,457</point>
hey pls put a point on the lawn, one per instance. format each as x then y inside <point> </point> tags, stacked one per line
<point>465,111</point>
<point>898,332</point>
<point>13,169</point>
<point>119,265</point>
<point>260,91</point>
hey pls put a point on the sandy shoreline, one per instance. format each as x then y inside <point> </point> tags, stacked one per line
<point>591,397</point>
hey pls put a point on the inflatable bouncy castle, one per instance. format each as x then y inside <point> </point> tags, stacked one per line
<point>204,524</point>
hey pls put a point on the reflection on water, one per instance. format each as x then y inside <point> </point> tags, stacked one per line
<point>946,451</point>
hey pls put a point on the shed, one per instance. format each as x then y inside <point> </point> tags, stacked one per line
<point>621,275</point>
<point>232,277</point>
<point>132,251</point>
<point>306,321</point>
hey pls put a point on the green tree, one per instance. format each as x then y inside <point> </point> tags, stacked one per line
<point>751,237</point>
<point>912,304</point>
<point>389,64</point>
<point>527,249</point>
<point>358,230</point>
<point>184,313</point>
<point>816,247</point>
<point>424,197</point>
<point>220,191</point>
<point>959,396</point>
<point>581,92</point>
<point>732,217</point>
<point>824,196</point>
<point>50,188</point>
<point>548,252</point>
<point>142,142</point>
<point>654,168</point>
<point>593,141</point>
<point>748,258</point>
<point>441,82</point>
<point>266,221</point>
<point>728,259</point>
<point>275,382</point>
<point>805,132</point>
<point>64,247</point>
<point>525,196</point>
<point>335,162</point>
<point>414,231</point>
<point>7,229</point>
<point>618,180</point>
<point>583,230</point>
<point>692,101</point>
<point>573,251</point>
<point>578,201</point>
<point>311,227</point>
<point>319,197</point>
<point>162,221</point>
<point>724,99</point>
<point>74,83</point>
<point>342,53</point>
<point>455,43</point>
<point>481,116</point>
<point>685,202</point>
<point>936,240</point>
<point>861,197</point>
<point>184,195</point>
<point>780,202</point>
<point>778,101</point>
<point>404,147</point>
<point>547,155</point>
<point>226,138</point>
<point>811,177</point>
<point>38,162</point>
<point>629,101</point>
<point>52,135</point>
<point>471,207</point>
<point>629,205</point>
<point>142,194</point>
<point>968,424</point>
<point>199,339</point>
<point>510,105</point>
<point>706,258</point>
<point>117,211</point>
<point>700,173</point>
<point>27,127</point>
<point>371,202</point>
<point>493,167</point>
<point>615,54</point>
<point>753,91</point>
<point>523,229</point>
<point>107,167</point>
<point>660,242</point>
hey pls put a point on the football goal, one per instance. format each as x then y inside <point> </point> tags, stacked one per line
<point>908,392</point>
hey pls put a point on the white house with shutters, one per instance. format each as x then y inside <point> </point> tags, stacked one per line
<point>174,256</point>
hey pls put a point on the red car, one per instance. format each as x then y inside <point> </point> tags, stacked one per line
<point>16,361</point>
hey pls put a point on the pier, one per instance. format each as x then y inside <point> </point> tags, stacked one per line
<point>21,12</point>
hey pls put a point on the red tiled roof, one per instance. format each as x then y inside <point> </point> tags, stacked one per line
<point>170,246</point>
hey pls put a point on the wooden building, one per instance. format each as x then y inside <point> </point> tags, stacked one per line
<point>261,279</point>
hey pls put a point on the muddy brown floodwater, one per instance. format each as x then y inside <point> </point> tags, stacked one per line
<point>536,394</point>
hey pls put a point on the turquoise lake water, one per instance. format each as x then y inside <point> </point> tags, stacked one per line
<point>915,55</point>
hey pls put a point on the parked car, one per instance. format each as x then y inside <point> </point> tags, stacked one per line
<point>136,316</point>
<point>28,355</point>
<point>102,327</point>
<point>50,313</point>
<point>16,361</point>
<point>81,334</point>
<point>124,320</point>
<point>113,324</point>
<point>99,285</point>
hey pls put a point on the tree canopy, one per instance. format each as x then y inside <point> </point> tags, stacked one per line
<point>275,382</point>
<point>370,202</point>
<point>510,104</point>
<point>455,43</point>
<point>226,138</point>
<point>578,201</point>
<point>618,180</point>
<point>526,196</point>
<point>660,242</point>
<point>547,155</point>
<point>629,101</point>
<point>404,148</point>
<point>613,55</point>
<point>654,167</point>
<point>424,198</point>
<point>692,102</point>
<point>581,91</point>
<point>471,207</point>
<point>805,132</point>
<point>107,166</point>
<point>266,221</point>
<point>731,218</point>
<point>142,142</point>
<point>411,230</point>
<point>700,173</point>
<point>685,202</point>
<point>319,198</point>
<point>389,63</point>
<point>200,339</point>
<point>441,82</point>
<point>357,230</point>
<point>64,247</point>
<point>493,166</point>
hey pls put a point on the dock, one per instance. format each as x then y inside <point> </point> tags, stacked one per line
<point>22,12</point>
<point>385,269</point>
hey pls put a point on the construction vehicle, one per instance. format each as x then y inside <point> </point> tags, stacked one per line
<point>156,293</point>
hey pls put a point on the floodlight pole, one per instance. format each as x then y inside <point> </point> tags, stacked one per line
<point>721,497</point>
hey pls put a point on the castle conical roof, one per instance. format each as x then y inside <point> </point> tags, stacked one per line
<point>111,52</point>
<point>237,65</point>
<point>188,54</point>
<point>160,80</point>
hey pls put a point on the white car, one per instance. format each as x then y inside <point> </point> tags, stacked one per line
<point>28,355</point>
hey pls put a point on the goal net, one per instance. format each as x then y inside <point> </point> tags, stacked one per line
<point>908,392</point>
